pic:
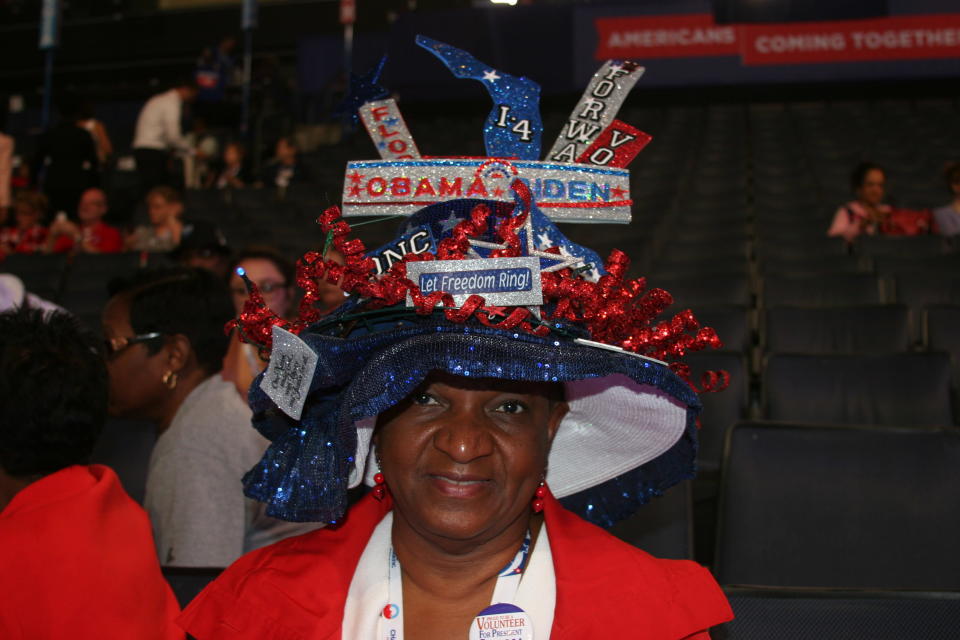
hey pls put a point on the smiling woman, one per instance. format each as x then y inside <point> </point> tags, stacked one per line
<point>466,428</point>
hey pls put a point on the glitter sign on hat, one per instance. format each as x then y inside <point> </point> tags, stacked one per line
<point>584,178</point>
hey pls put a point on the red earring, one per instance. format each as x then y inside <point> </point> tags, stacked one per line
<point>380,489</point>
<point>539,495</point>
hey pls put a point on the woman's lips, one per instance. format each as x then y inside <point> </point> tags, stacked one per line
<point>459,486</point>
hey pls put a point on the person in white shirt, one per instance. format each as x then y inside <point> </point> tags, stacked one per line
<point>158,133</point>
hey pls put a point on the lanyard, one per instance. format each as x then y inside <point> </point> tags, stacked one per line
<point>508,582</point>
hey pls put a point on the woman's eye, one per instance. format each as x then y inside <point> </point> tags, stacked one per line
<point>512,406</point>
<point>424,399</point>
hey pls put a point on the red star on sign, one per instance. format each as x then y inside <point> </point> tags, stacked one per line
<point>618,193</point>
<point>354,191</point>
<point>497,192</point>
<point>495,311</point>
<point>355,177</point>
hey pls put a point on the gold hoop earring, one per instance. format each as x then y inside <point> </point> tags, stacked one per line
<point>169,380</point>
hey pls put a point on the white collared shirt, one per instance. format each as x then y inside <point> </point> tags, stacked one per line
<point>369,589</point>
<point>158,126</point>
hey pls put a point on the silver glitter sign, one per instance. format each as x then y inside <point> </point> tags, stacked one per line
<point>503,282</point>
<point>288,376</point>
<point>388,130</point>
<point>565,192</point>
<point>596,110</point>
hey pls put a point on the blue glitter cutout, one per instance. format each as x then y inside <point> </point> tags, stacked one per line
<point>513,129</point>
<point>363,89</point>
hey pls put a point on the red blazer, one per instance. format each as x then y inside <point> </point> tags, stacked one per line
<point>296,588</point>
<point>77,561</point>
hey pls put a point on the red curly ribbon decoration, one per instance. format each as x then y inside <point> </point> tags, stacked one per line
<point>614,310</point>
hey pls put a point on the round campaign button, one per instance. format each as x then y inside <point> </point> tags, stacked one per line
<point>502,621</point>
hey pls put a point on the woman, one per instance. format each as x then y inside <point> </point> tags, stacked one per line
<point>165,345</point>
<point>165,208</point>
<point>867,213</point>
<point>467,431</point>
<point>29,235</point>
<point>274,275</point>
<point>233,172</point>
<point>947,217</point>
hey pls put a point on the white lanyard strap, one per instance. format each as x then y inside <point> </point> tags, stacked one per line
<point>508,582</point>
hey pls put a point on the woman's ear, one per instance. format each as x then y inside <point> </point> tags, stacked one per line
<point>179,350</point>
<point>557,413</point>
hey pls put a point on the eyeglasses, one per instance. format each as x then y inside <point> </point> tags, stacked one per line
<point>266,288</point>
<point>113,346</point>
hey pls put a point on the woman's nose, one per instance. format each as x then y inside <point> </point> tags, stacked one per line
<point>464,437</point>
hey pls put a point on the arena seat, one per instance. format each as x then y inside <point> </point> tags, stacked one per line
<point>877,246</point>
<point>41,274</point>
<point>919,289</point>
<point>822,290</point>
<point>788,264</point>
<point>700,290</point>
<point>853,329</point>
<point>125,447</point>
<point>891,389</point>
<point>763,613</point>
<point>732,323</point>
<point>663,526</point>
<point>839,506</point>
<point>188,582</point>
<point>934,264</point>
<point>721,409</point>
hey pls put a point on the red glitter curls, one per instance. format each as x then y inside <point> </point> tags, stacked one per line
<point>613,310</point>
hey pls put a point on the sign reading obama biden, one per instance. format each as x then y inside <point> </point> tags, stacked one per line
<point>564,191</point>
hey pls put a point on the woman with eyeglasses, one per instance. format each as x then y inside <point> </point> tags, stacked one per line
<point>947,217</point>
<point>164,347</point>
<point>275,276</point>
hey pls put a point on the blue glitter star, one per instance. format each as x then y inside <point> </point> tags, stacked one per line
<point>391,122</point>
<point>363,89</point>
<point>449,223</point>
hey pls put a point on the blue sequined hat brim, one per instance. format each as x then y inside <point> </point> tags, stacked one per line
<point>645,420</point>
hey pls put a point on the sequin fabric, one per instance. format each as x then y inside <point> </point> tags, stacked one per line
<point>304,474</point>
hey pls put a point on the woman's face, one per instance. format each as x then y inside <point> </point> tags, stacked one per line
<point>872,189</point>
<point>162,211</point>
<point>277,292</point>
<point>232,155</point>
<point>136,390</point>
<point>26,215</point>
<point>462,457</point>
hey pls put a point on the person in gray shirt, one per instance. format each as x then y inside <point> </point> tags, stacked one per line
<point>165,344</point>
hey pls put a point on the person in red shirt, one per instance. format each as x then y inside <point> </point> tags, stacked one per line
<point>28,235</point>
<point>76,551</point>
<point>91,235</point>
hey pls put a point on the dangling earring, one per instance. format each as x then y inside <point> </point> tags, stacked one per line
<point>539,495</point>
<point>169,380</point>
<point>380,489</point>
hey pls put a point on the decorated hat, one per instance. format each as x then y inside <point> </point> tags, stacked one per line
<point>480,282</point>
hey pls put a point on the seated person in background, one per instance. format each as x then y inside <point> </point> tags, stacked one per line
<point>76,550</point>
<point>203,245</point>
<point>275,275</point>
<point>166,343</point>
<point>285,168</point>
<point>867,213</point>
<point>91,235</point>
<point>233,172</point>
<point>197,166</point>
<point>947,217</point>
<point>165,207</point>
<point>28,235</point>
